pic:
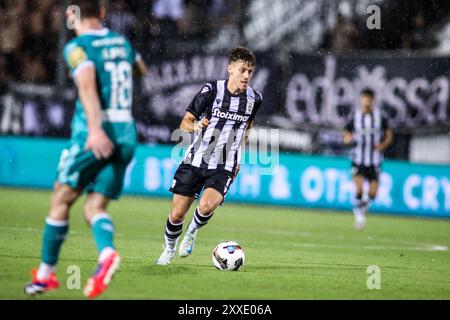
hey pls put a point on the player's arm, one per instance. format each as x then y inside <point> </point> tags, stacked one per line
<point>190,123</point>
<point>192,119</point>
<point>238,166</point>
<point>258,103</point>
<point>387,140</point>
<point>97,140</point>
<point>241,149</point>
<point>247,131</point>
<point>347,136</point>
<point>388,135</point>
<point>140,67</point>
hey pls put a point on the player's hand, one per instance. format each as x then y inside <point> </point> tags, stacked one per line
<point>199,125</point>
<point>236,171</point>
<point>100,144</point>
<point>379,147</point>
<point>347,139</point>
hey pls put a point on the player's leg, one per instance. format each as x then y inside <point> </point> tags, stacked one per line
<point>174,226</point>
<point>107,185</point>
<point>95,212</point>
<point>186,186</point>
<point>76,169</point>
<point>371,174</point>
<point>373,188</point>
<point>359,203</point>
<point>67,189</point>
<point>209,201</point>
<point>55,232</point>
<point>216,188</point>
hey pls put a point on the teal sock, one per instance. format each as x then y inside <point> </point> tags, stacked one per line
<point>55,233</point>
<point>103,230</point>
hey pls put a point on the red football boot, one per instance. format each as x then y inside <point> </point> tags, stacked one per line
<point>38,286</point>
<point>100,280</point>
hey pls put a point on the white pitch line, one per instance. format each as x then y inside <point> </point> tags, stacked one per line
<point>411,247</point>
<point>22,229</point>
<point>404,245</point>
<point>418,247</point>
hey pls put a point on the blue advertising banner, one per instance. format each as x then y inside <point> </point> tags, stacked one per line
<point>296,180</point>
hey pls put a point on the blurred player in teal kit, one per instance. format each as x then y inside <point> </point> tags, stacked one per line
<point>102,144</point>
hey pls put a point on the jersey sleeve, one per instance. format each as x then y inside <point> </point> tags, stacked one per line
<point>258,102</point>
<point>384,122</point>
<point>76,58</point>
<point>135,56</point>
<point>201,101</point>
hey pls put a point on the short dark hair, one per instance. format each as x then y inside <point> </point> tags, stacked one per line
<point>368,92</point>
<point>88,8</point>
<point>242,53</point>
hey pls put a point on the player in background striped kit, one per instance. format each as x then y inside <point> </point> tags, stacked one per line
<point>370,134</point>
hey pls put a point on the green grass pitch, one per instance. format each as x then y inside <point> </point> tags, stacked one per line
<point>290,253</point>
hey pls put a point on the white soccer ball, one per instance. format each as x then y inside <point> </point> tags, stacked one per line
<point>229,256</point>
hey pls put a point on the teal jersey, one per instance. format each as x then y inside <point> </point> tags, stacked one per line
<point>113,58</point>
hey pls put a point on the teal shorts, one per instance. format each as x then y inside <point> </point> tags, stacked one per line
<point>79,168</point>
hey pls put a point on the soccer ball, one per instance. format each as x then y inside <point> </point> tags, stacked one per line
<point>228,256</point>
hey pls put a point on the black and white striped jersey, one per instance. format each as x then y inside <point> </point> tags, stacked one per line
<point>217,146</point>
<point>368,130</point>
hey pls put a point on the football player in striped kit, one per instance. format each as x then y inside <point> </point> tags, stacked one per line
<point>220,116</point>
<point>370,135</point>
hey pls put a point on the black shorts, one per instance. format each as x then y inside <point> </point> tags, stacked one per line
<point>370,173</point>
<point>189,180</point>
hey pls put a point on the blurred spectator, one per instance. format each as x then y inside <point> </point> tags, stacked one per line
<point>193,21</point>
<point>10,34</point>
<point>56,19</point>
<point>32,68</point>
<point>225,23</point>
<point>419,34</point>
<point>344,35</point>
<point>168,14</point>
<point>120,19</point>
<point>225,13</point>
<point>171,10</point>
<point>5,74</point>
<point>36,32</point>
<point>10,43</point>
<point>30,30</point>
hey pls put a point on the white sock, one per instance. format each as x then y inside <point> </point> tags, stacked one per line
<point>173,232</point>
<point>367,206</point>
<point>359,214</point>
<point>44,271</point>
<point>199,220</point>
<point>105,253</point>
<point>170,244</point>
